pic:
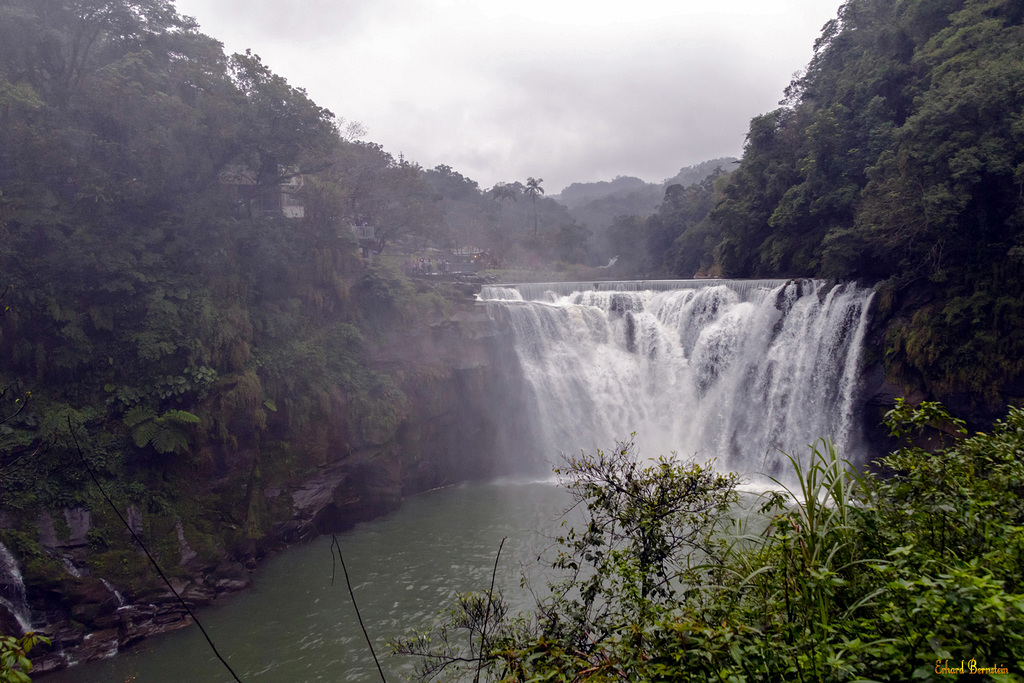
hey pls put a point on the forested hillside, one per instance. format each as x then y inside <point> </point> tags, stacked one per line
<point>183,297</point>
<point>157,296</point>
<point>897,157</point>
<point>908,168</point>
<point>182,285</point>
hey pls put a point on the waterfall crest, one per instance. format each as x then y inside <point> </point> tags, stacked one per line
<point>734,371</point>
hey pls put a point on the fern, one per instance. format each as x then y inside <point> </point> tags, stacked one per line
<point>142,434</point>
<point>169,440</point>
<point>137,415</point>
<point>179,417</point>
<point>166,433</point>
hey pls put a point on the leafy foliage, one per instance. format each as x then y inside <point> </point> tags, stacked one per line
<point>14,662</point>
<point>834,576</point>
<point>897,157</point>
<point>164,432</point>
<point>158,297</point>
<point>645,520</point>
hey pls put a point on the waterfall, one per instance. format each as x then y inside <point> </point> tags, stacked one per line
<point>12,590</point>
<point>114,592</point>
<point>732,371</point>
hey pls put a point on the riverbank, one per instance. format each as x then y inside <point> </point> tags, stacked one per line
<point>459,418</point>
<point>293,623</point>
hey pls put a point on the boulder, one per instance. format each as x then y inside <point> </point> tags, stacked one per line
<point>339,496</point>
<point>98,645</point>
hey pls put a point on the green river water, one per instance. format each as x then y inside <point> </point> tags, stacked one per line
<point>293,625</point>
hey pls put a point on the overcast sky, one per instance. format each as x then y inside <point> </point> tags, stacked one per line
<point>564,90</point>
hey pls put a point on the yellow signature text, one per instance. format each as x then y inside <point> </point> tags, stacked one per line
<point>971,667</point>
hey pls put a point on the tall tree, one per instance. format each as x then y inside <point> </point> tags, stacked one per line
<point>391,195</point>
<point>505,191</point>
<point>533,189</point>
<point>898,157</point>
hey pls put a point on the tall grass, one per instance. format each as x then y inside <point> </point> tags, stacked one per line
<point>834,576</point>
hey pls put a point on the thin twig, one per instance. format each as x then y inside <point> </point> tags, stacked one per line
<point>7,290</point>
<point>142,545</point>
<point>333,564</point>
<point>20,407</point>
<point>487,614</point>
<point>335,544</point>
<point>12,466</point>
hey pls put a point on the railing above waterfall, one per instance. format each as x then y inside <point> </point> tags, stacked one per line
<point>541,291</point>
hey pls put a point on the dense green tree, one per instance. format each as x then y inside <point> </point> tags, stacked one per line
<point>680,230</point>
<point>391,195</point>
<point>571,243</point>
<point>896,158</point>
<point>282,131</point>
<point>506,191</point>
<point>465,211</point>
<point>451,184</point>
<point>157,295</point>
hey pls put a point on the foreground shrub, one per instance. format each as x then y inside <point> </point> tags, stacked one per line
<point>834,576</point>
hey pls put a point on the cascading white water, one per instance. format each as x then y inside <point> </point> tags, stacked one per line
<point>730,371</point>
<point>12,590</point>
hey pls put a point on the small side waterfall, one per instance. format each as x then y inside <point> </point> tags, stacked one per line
<point>114,592</point>
<point>734,371</point>
<point>12,590</point>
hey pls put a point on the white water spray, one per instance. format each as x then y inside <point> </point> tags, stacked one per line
<point>114,592</point>
<point>12,590</point>
<point>735,371</point>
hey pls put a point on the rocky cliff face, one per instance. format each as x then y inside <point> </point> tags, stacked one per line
<point>460,418</point>
<point>463,420</point>
<point>889,375</point>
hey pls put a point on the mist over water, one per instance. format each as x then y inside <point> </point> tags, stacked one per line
<point>720,370</point>
<point>732,371</point>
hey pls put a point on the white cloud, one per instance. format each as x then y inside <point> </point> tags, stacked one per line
<point>560,89</point>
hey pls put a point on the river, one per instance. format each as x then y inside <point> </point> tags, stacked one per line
<point>294,625</point>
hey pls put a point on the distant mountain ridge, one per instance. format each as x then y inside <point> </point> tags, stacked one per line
<point>596,205</point>
<point>577,194</point>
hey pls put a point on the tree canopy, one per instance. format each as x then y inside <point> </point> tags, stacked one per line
<point>156,289</point>
<point>896,157</point>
